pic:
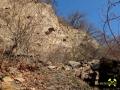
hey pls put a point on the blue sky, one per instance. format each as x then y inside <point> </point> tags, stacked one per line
<point>93,9</point>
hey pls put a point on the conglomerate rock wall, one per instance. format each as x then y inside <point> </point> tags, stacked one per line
<point>43,34</point>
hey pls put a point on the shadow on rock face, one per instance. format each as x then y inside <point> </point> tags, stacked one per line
<point>50,30</point>
<point>109,73</point>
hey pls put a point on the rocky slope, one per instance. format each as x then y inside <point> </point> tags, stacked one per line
<point>23,74</point>
<point>42,32</point>
<point>43,48</point>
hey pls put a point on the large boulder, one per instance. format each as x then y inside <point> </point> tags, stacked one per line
<point>95,64</point>
<point>74,64</point>
<point>9,84</point>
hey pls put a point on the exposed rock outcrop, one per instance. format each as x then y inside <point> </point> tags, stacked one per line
<point>35,29</point>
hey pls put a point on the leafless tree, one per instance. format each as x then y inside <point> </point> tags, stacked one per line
<point>97,34</point>
<point>111,17</point>
<point>20,27</point>
<point>76,20</point>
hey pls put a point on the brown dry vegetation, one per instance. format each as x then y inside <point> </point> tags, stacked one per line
<point>36,47</point>
<point>52,43</point>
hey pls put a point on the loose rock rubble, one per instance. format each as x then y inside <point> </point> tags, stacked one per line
<point>74,64</point>
<point>87,71</point>
<point>45,77</point>
<point>9,84</point>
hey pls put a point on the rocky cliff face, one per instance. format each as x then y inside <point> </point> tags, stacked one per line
<point>33,28</point>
